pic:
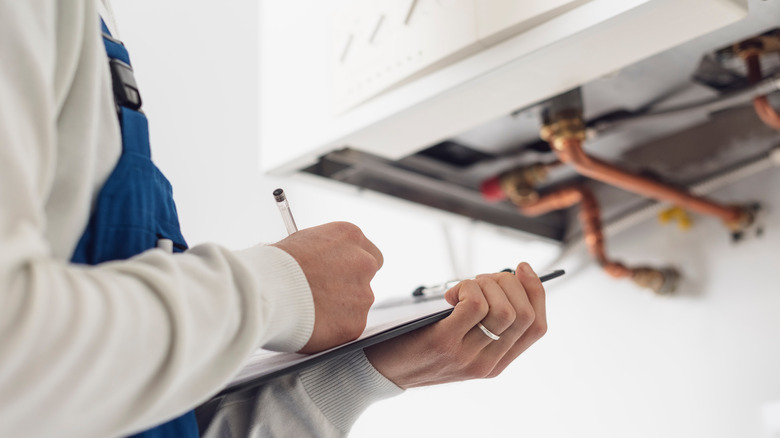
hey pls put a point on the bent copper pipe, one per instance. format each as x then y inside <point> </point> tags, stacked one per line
<point>590,218</point>
<point>764,110</point>
<point>570,150</point>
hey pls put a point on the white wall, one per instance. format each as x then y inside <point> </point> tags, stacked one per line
<point>616,362</point>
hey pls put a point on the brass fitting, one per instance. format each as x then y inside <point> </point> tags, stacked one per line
<point>762,44</point>
<point>660,281</point>
<point>750,222</point>
<point>564,125</point>
<point>748,48</point>
<point>746,218</point>
<point>519,184</point>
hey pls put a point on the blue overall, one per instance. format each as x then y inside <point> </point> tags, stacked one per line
<point>135,207</point>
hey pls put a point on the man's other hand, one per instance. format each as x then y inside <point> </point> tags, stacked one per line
<point>455,348</point>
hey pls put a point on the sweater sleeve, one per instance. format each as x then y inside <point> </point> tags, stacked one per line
<point>323,401</point>
<point>119,347</point>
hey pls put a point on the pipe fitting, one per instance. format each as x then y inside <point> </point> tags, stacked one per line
<point>748,48</point>
<point>517,184</point>
<point>751,223</point>
<point>745,219</point>
<point>568,126</point>
<point>766,43</point>
<point>661,281</point>
<point>563,119</point>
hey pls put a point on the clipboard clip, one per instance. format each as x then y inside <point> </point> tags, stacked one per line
<point>434,291</point>
<point>437,291</point>
<point>424,293</point>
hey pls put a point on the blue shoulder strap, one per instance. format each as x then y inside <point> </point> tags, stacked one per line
<point>135,207</point>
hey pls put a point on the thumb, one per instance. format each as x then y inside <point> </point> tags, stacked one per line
<point>452,295</point>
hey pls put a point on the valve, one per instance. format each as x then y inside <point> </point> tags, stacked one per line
<point>750,224</point>
<point>661,281</point>
<point>517,184</point>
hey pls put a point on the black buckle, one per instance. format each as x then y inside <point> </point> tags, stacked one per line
<point>125,88</point>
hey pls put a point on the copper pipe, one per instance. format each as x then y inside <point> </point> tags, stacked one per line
<point>570,150</point>
<point>765,111</point>
<point>558,200</point>
<point>590,218</point>
<point>661,281</point>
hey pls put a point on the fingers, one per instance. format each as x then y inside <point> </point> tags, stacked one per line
<point>492,351</point>
<point>471,307</point>
<point>452,294</point>
<point>493,300</point>
<point>517,295</point>
<point>515,311</point>
<point>535,292</point>
<point>536,295</point>
<point>352,232</point>
<point>374,251</point>
<point>501,312</point>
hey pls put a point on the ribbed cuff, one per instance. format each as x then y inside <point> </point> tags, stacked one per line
<point>286,300</point>
<point>343,387</point>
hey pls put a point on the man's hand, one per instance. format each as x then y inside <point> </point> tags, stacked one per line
<point>455,349</point>
<point>339,263</point>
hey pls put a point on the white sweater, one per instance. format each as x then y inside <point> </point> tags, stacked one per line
<point>116,348</point>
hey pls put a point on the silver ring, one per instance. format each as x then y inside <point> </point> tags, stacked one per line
<point>487,332</point>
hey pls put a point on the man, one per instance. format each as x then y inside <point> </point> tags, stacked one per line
<point>122,346</point>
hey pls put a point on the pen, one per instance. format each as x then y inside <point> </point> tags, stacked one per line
<point>284,209</point>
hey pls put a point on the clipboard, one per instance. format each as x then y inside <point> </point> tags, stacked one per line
<point>385,321</point>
